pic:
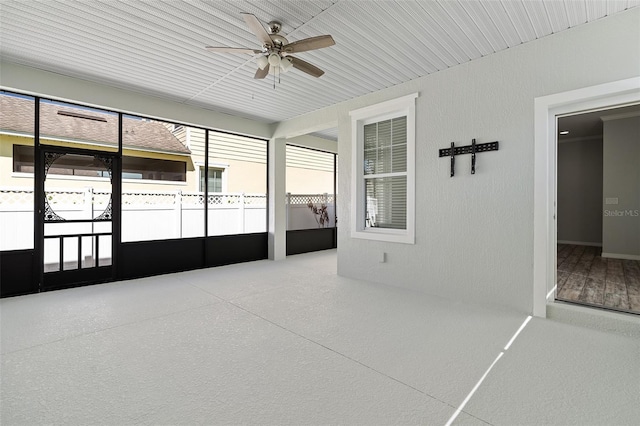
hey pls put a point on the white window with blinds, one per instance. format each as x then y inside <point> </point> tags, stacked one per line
<point>217,178</point>
<point>383,187</point>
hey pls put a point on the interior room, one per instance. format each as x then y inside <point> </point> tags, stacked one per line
<point>319,212</point>
<point>598,245</point>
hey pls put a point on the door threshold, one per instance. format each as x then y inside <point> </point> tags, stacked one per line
<point>596,306</point>
<point>595,317</point>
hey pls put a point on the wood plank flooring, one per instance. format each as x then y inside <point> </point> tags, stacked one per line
<point>586,277</point>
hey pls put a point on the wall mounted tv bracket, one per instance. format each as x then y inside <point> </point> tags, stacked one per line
<point>468,149</point>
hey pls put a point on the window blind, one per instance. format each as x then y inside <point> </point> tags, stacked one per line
<point>385,173</point>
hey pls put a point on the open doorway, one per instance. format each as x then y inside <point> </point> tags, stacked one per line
<point>547,109</point>
<point>598,209</point>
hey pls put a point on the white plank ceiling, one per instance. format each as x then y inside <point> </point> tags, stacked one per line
<point>156,47</point>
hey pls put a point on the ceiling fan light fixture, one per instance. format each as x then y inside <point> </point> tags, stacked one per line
<point>286,64</point>
<point>275,70</point>
<point>274,60</point>
<point>272,57</point>
<point>262,62</point>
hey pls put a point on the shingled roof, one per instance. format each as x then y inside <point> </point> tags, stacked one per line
<point>66,122</point>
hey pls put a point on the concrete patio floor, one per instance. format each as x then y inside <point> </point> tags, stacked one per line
<point>290,342</point>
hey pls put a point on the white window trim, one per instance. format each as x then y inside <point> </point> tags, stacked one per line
<point>212,165</point>
<point>400,107</point>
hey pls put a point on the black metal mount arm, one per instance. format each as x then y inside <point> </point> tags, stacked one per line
<point>468,149</point>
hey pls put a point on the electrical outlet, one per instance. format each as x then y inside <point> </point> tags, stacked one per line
<point>383,257</point>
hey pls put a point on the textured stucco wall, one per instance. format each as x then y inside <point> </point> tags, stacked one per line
<point>474,233</point>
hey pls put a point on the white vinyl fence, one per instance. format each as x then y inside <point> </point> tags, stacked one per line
<point>154,215</point>
<point>309,211</point>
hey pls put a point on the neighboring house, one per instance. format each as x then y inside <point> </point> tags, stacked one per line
<point>157,156</point>
<point>150,152</point>
<point>162,174</point>
<point>236,161</point>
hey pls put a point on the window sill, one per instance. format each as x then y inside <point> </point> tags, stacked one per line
<point>155,182</point>
<point>385,235</point>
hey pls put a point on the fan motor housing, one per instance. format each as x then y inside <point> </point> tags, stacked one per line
<point>278,40</point>
<point>274,27</point>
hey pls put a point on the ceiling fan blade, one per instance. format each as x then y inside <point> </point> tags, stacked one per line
<point>262,73</point>
<point>310,43</point>
<point>256,27</point>
<point>306,67</point>
<point>232,50</point>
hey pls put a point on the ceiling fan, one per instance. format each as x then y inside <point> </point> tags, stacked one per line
<point>275,54</point>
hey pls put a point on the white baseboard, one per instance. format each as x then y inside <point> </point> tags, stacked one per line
<point>580,243</point>
<point>621,256</point>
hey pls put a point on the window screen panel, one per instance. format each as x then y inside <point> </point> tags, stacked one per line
<point>399,158</point>
<point>399,131</point>
<point>371,136</point>
<point>384,133</point>
<point>383,163</point>
<point>385,147</point>
<point>370,160</point>
<point>370,148</point>
<point>386,202</point>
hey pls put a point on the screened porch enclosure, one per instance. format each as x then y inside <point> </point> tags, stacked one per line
<point>90,195</point>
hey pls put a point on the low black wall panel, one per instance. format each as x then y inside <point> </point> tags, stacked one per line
<point>17,273</point>
<point>76,278</point>
<point>308,240</point>
<point>146,258</point>
<point>228,249</point>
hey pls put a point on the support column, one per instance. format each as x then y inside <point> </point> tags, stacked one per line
<point>277,199</point>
